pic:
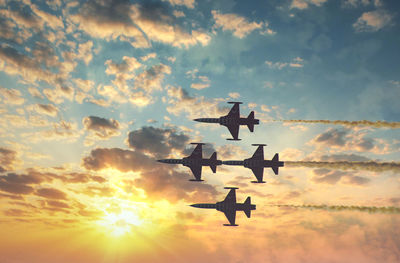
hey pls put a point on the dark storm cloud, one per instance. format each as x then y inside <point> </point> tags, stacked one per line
<point>51,193</point>
<point>371,166</point>
<point>157,141</point>
<point>374,124</point>
<point>103,128</point>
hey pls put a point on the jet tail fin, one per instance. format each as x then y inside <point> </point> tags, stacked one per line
<point>275,160</point>
<point>250,123</point>
<point>247,205</point>
<point>213,160</point>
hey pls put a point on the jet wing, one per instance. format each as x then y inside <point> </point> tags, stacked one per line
<point>196,170</point>
<point>234,130</point>
<point>231,216</point>
<point>259,153</point>
<point>258,172</point>
<point>231,197</point>
<point>197,152</point>
<point>235,111</point>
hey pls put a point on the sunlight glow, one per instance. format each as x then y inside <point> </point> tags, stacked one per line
<point>120,223</point>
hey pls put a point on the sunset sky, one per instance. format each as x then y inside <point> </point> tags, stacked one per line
<point>93,93</point>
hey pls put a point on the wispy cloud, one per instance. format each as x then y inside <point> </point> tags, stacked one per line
<point>372,21</point>
<point>239,25</point>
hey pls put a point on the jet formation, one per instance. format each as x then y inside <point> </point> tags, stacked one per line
<point>233,120</point>
<point>229,206</point>
<point>256,163</point>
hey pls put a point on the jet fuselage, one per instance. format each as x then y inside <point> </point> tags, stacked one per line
<point>249,163</point>
<point>223,206</point>
<point>191,162</point>
<point>228,120</point>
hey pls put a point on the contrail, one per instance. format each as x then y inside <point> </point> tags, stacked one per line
<point>375,124</point>
<point>369,209</point>
<point>371,166</point>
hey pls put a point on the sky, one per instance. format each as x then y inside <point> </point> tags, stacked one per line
<point>93,93</point>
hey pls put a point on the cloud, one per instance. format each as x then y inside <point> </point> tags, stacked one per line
<point>345,141</point>
<point>295,63</point>
<point>157,141</point>
<point>20,183</point>
<point>303,4</point>
<point>123,160</point>
<point>84,85</point>
<point>356,3</point>
<point>326,176</point>
<point>144,83</point>
<point>372,21</point>
<point>137,23</point>
<point>332,137</point>
<point>239,25</point>
<point>51,193</point>
<point>371,166</point>
<point>187,3</point>
<point>151,79</point>
<point>101,127</point>
<point>62,130</point>
<point>11,96</point>
<point>47,109</point>
<point>17,63</point>
<point>181,102</point>
<point>8,159</point>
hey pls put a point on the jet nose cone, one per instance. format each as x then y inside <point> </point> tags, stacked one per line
<point>196,119</point>
<point>162,161</point>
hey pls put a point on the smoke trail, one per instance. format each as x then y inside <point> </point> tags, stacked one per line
<point>375,124</point>
<point>345,165</point>
<point>369,209</point>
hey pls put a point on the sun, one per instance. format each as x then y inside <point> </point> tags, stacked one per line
<point>120,223</point>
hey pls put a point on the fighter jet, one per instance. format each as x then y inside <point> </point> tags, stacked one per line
<point>257,163</point>
<point>233,120</point>
<point>229,206</point>
<point>195,161</point>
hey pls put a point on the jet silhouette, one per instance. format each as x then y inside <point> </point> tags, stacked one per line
<point>229,206</point>
<point>233,120</point>
<point>257,163</point>
<point>195,162</point>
